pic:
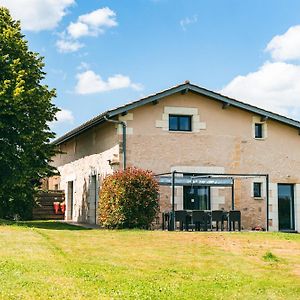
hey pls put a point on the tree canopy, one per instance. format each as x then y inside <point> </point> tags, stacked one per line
<point>25,112</point>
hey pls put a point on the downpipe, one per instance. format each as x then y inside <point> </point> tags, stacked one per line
<point>123,137</point>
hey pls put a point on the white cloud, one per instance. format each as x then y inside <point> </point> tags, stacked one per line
<point>287,46</point>
<point>64,116</point>
<point>89,83</point>
<point>36,15</point>
<point>188,21</point>
<point>103,17</point>
<point>274,86</point>
<point>76,30</point>
<point>65,46</point>
<point>93,24</point>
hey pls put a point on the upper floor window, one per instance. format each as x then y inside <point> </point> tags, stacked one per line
<point>258,130</point>
<point>180,123</point>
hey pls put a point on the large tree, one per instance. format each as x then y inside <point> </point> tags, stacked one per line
<point>25,112</point>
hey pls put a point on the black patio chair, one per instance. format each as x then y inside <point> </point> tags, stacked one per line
<point>225,219</point>
<point>165,220</point>
<point>181,216</point>
<point>201,219</point>
<point>233,217</point>
<point>218,217</point>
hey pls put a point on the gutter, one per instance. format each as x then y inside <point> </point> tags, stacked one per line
<point>180,88</point>
<point>123,137</point>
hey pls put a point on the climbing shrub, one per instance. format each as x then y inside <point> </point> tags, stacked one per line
<point>128,199</point>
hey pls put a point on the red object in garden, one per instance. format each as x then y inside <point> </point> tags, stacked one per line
<point>63,207</point>
<point>56,207</point>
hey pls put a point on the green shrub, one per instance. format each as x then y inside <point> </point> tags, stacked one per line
<point>128,199</point>
<point>269,256</point>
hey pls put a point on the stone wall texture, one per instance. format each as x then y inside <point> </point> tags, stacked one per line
<point>94,153</point>
<point>221,142</point>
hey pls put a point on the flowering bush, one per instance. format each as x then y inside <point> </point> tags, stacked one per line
<point>128,199</point>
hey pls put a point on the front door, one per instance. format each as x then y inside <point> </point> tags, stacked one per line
<point>286,206</point>
<point>196,198</point>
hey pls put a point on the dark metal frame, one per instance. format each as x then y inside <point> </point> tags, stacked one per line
<point>233,175</point>
<point>292,205</point>
<point>209,198</point>
<point>258,134</point>
<point>178,122</point>
<point>259,195</point>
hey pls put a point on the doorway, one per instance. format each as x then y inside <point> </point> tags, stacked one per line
<point>286,207</point>
<point>70,200</point>
<point>196,198</point>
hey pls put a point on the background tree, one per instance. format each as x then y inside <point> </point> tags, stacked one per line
<point>25,112</point>
<point>128,199</point>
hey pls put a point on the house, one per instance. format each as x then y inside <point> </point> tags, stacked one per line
<point>194,131</point>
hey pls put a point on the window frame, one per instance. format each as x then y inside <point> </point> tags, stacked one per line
<point>259,195</point>
<point>188,204</point>
<point>261,125</point>
<point>178,128</point>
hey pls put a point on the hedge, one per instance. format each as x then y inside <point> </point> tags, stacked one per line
<point>128,199</point>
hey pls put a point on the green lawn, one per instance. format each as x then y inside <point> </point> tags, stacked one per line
<point>48,260</point>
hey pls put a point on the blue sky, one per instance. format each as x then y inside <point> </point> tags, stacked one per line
<point>100,54</point>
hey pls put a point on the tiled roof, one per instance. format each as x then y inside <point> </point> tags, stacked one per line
<point>184,87</point>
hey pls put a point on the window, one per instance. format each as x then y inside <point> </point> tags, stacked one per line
<point>257,189</point>
<point>196,198</point>
<point>258,130</point>
<point>180,123</point>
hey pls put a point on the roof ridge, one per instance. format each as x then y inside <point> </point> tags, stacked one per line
<point>246,103</point>
<point>169,91</point>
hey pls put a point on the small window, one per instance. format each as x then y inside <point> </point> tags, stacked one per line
<point>257,189</point>
<point>180,123</point>
<point>258,130</point>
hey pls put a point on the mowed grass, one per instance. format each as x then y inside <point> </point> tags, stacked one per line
<point>49,260</point>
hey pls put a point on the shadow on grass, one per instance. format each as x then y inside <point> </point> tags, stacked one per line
<point>51,225</point>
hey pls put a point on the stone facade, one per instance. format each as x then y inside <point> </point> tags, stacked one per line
<point>84,162</point>
<point>221,141</point>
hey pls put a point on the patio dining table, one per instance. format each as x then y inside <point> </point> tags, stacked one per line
<point>167,218</point>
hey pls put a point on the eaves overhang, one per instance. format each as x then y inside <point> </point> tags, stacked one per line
<point>183,88</point>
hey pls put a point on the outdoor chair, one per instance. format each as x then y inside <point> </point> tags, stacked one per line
<point>217,216</point>
<point>225,219</point>
<point>201,219</point>
<point>165,220</point>
<point>181,216</point>
<point>233,217</point>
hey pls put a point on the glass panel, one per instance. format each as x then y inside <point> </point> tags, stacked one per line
<point>204,198</point>
<point>196,198</point>
<point>286,206</point>
<point>173,121</point>
<point>185,123</point>
<point>258,130</point>
<point>257,189</point>
<point>180,123</point>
